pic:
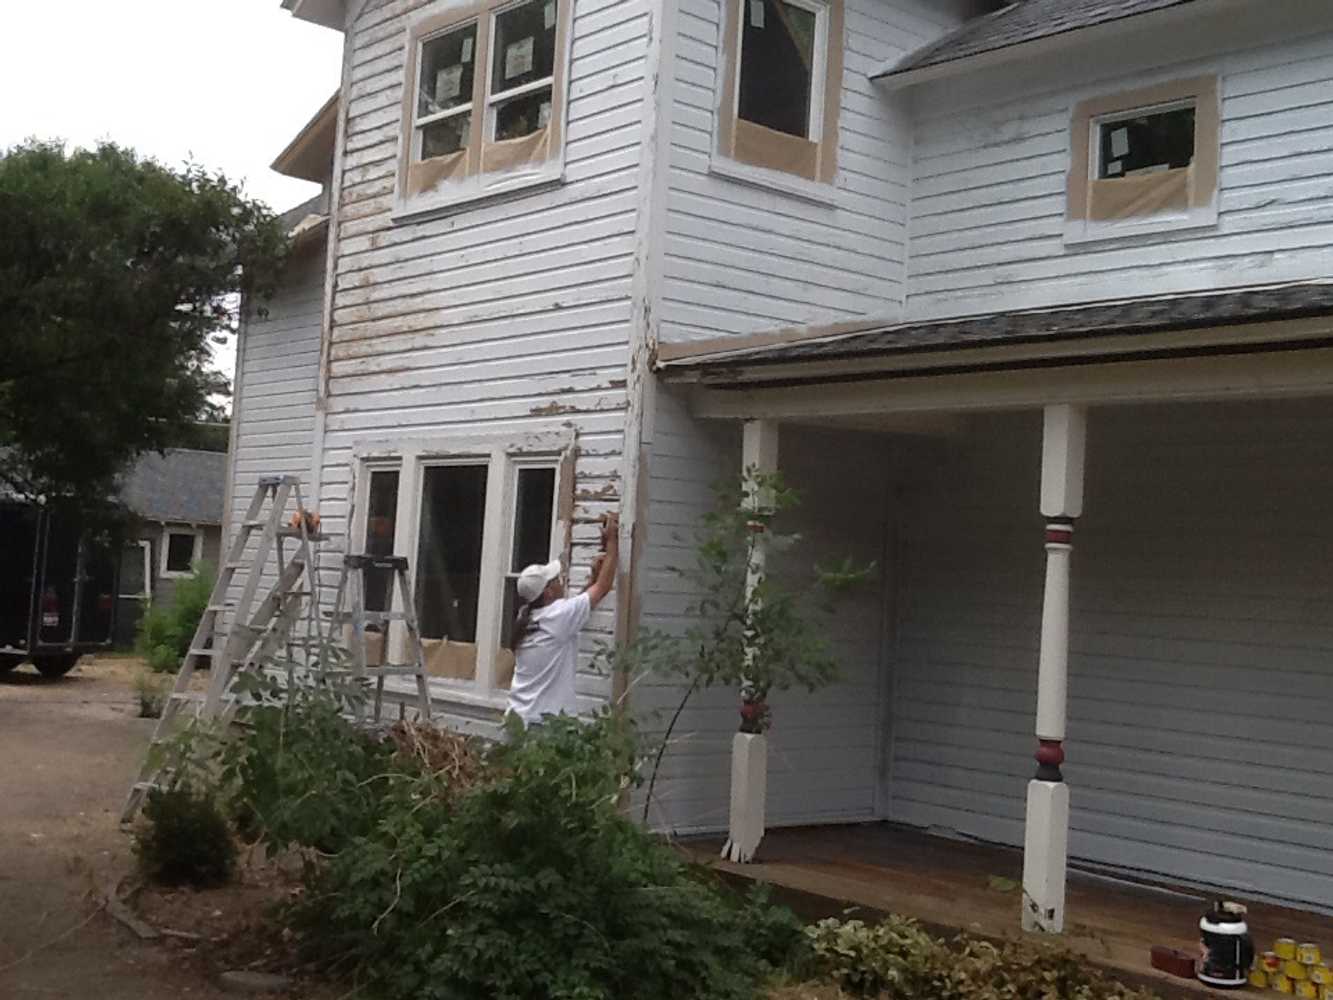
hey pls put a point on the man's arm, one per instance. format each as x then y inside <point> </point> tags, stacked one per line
<point>604,569</point>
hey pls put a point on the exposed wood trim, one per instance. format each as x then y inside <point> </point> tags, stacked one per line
<point>670,353</point>
<point>1235,376</point>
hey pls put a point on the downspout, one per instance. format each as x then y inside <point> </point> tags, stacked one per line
<point>645,299</point>
<point>234,430</point>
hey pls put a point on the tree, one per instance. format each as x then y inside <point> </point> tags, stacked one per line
<point>115,271</point>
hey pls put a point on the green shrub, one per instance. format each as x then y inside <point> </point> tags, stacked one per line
<point>514,877</point>
<point>183,839</point>
<point>152,694</point>
<point>165,630</point>
<point>897,959</point>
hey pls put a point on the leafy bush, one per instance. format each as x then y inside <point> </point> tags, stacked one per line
<point>165,630</point>
<point>183,839</point>
<point>897,959</point>
<point>512,875</point>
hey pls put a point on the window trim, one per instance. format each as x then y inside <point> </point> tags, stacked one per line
<point>752,153</point>
<point>489,167</point>
<point>146,550</point>
<point>1200,178</point>
<point>504,456</point>
<point>196,553</point>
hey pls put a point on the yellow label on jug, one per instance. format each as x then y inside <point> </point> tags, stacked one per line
<point>1322,975</point>
<point>1283,984</point>
<point>1308,954</point>
<point>1285,948</point>
<point>1307,990</point>
<point>1294,970</point>
<point>1259,979</point>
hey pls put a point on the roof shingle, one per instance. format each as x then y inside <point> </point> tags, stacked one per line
<point>181,485</point>
<point>1025,21</point>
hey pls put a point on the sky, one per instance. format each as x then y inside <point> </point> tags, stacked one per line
<point>227,83</point>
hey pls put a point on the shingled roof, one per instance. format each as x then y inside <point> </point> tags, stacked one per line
<point>1127,316</point>
<point>1025,21</point>
<point>181,486</point>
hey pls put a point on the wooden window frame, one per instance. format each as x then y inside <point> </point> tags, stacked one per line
<point>486,167</point>
<point>1168,201</point>
<point>504,456</point>
<point>196,554</point>
<point>752,153</point>
<point>145,548</point>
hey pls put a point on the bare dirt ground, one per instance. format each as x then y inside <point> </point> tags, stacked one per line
<point>69,750</point>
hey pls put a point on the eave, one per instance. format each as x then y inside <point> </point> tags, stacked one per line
<point>329,13</point>
<point>309,157</point>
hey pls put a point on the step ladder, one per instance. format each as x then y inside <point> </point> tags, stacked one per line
<point>236,636</point>
<point>349,612</point>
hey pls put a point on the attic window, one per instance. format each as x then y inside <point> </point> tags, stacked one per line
<point>781,92</point>
<point>485,102</point>
<point>1144,161</point>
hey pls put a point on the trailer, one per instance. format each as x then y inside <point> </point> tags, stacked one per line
<point>58,581</point>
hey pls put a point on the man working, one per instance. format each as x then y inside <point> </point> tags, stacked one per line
<point>546,631</point>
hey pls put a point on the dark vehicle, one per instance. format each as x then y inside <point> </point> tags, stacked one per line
<point>57,588</point>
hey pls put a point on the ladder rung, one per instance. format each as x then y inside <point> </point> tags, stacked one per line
<point>187,696</point>
<point>393,670</point>
<point>368,617</point>
<point>221,607</point>
<point>203,652</point>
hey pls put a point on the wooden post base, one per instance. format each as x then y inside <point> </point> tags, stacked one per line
<point>749,793</point>
<point>1045,856</point>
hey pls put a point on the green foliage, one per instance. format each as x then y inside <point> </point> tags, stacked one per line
<point>165,630</point>
<point>115,273</point>
<point>152,694</point>
<point>183,839</point>
<point>897,959</point>
<point>519,880</point>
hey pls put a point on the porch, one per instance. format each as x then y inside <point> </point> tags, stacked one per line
<point>1182,658</point>
<point>957,885</point>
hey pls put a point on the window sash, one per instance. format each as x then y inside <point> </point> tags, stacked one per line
<point>818,66</point>
<point>1097,123</point>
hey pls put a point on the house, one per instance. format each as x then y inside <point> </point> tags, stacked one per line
<point>176,497</point>
<point>1031,301</point>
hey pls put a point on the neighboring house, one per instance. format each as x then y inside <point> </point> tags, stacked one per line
<point>176,498</point>
<point>964,272</point>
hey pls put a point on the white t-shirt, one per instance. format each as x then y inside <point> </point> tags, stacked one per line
<point>546,660</point>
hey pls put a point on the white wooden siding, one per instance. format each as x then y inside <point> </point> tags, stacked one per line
<point>992,152</point>
<point>824,747</point>
<point>740,258</point>
<point>504,315</point>
<point>1201,668</point>
<point>277,368</point>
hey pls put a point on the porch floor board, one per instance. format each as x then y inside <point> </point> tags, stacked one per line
<point>946,884</point>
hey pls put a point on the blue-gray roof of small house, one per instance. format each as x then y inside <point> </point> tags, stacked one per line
<point>1025,21</point>
<point>180,485</point>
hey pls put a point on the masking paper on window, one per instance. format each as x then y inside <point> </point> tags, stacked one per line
<point>1156,193</point>
<point>518,57</point>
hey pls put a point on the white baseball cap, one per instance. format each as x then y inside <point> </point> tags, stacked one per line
<point>534,579</point>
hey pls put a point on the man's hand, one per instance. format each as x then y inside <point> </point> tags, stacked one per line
<point>610,529</point>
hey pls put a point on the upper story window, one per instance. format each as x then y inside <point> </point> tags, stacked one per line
<point>1144,161</point>
<point>182,548</point>
<point>781,91</point>
<point>484,109</point>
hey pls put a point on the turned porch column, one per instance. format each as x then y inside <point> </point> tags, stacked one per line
<point>1046,839</point>
<point>749,751</point>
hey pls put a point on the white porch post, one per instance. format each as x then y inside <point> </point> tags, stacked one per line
<point>1045,846</point>
<point>749,751</point>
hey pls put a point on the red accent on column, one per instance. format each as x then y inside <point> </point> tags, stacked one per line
<point>1051,753</point>
<point>1056,535</point>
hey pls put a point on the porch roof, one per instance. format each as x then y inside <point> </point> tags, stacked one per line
<point>726,358</point>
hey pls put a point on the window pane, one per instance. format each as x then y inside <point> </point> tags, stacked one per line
<point>523,115</point>
<point>447,71</point>
<point>532,517</point>
<point>524,45</point>
<point>453,513</point>
<point>180,553</point>
<point>777,60</point>
<point>1161,141</point>
<point>445,137</point>
<point>381,523</point>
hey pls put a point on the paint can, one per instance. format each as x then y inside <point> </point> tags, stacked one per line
<point>1296,971</point>
<point>1228,951</point>
<point>1271,961</point>
<point>1321,974</point>
<point>1285,948</point>
<point>1259,979</point>
<point>1326,993</point>
<point>1282,984</point>
<point>1308,954</point>
<point>1307,990</point>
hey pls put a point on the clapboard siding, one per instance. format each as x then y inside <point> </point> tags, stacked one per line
<point>824,747</point>
<point>739,258</point>
<point>992,153</point>
<point>1201,665</point>
<point>507,315</point>
<point>277,370</point>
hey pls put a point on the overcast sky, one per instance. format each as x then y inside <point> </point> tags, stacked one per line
<point>227,83</point>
